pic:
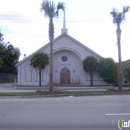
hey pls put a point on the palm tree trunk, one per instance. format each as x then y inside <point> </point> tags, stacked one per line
<point>91,79</point>
<point>91,76</point>
<point>51,37</point>
<point>118,31</point>
<point>39,76</point>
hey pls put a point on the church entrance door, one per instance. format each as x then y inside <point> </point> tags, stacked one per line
<point>65,76</point>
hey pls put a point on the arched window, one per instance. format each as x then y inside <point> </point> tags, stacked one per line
<point>65,70</point>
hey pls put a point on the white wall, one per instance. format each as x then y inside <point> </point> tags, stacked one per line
<point>74,64</point>
<point>27,75</point>
<point>63,46</point>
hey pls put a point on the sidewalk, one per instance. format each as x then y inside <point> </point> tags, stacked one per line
<point>10,87</point>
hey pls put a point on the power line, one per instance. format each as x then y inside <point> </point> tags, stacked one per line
<point>26,20</point>
<point>29,18</point>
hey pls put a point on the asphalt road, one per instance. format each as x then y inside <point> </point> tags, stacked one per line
<point>64,113</point>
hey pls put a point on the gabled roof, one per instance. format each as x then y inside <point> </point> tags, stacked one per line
<point>63,34</point>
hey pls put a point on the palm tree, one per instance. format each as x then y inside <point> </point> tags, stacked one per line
<point>39,60</point>
<point>90,65</point>
<point>51,11</point>
<point>118,18</point>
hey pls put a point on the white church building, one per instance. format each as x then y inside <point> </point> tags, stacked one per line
<point>67,64</point>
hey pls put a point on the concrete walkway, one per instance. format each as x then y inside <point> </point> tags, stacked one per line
<point>11,87</point>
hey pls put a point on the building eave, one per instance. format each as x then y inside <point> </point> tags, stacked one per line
<point>63,34</point>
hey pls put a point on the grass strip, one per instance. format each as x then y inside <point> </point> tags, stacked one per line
<point>17,93</point>
<point>66,93</point>
<point>86,92</point>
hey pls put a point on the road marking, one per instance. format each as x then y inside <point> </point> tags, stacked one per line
<point>117,114</point>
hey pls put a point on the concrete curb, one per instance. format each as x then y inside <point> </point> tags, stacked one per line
<point>65,95</point>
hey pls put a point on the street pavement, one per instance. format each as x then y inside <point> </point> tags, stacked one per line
<point>64,113</point>
<point>11,87</point>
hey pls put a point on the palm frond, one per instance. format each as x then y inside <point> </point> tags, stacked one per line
<point>90,64</point>
<point>40,60</point>
<point>60,5</point>
<point>49,8</point>
<point>119,17</point>
<point>125,9</point>
<point>114,13</point>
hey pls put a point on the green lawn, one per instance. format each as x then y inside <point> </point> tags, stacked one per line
<point>17,93</point>
<point>65,93</point>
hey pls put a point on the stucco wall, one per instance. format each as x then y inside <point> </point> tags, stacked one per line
<point>63,46</point>
<point>73,63</point>
<point>27,75</point>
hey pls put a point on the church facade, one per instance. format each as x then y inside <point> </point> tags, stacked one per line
<point>67,64</point>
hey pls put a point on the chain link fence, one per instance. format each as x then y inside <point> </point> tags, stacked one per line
<point>8,78</point>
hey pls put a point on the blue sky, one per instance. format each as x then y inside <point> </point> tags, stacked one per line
<point>87,21</point>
